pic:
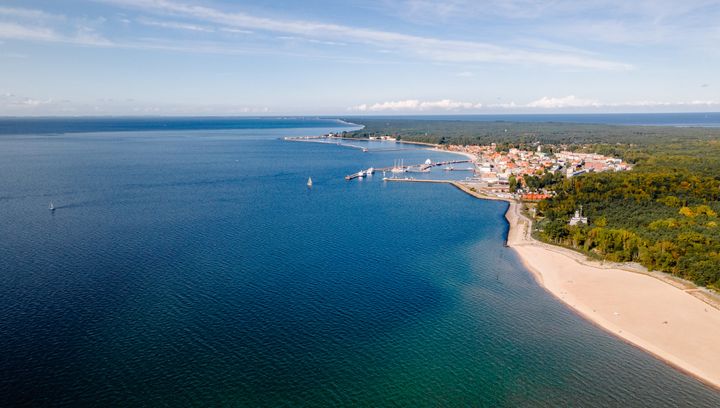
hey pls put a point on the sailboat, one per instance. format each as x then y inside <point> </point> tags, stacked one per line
<point>51,207</point>
<point>309,183</point>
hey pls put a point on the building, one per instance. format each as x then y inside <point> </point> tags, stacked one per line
<point>578,218</point>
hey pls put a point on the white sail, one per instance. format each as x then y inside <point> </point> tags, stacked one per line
<point>309,183</point>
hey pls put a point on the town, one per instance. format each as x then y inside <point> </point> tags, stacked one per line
<point>500,171</point>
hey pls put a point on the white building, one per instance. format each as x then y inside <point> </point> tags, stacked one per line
<point>578,218</point>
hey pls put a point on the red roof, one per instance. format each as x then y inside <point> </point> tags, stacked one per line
<point>535,196</point>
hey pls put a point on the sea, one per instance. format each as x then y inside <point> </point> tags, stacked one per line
<point>187,263</point>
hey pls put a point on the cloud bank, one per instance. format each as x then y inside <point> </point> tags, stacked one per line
<point>546,103</point>
<point>427,48</point>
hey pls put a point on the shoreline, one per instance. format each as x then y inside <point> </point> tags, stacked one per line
<point>673,320</point>
<point>662,319</point>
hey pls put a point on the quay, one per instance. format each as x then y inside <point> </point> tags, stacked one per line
<point>477,193</point>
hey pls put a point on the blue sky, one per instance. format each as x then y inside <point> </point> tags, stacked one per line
<point>255,57</point>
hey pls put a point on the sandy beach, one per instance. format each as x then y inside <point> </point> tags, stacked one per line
<point>663,319</point>
<point>671,319</point>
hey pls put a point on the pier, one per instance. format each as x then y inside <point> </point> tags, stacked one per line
<point>413,180</point>
<point>415,168</point>
<point>359,174</point>
<point>324,140</point>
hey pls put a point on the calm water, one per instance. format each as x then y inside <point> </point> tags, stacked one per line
<point>194,267</point>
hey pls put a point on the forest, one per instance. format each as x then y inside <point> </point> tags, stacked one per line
<point>467,132</point>
<point>663,214</point>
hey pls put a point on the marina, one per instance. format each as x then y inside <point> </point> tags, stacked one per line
<point>400,167</point>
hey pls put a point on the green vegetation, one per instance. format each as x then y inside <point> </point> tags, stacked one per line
<point>663,214</point>
<point>518,134</point>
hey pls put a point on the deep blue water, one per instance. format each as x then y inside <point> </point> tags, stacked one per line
<point>194,267</point>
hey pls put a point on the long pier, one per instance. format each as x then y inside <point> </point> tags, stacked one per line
<point>322,140</point>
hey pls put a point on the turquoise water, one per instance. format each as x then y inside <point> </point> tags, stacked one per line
<point>194,267</point>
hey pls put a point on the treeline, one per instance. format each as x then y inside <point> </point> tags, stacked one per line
<point>665,220</point>
<point>663,214</point>
<point>465,132</point>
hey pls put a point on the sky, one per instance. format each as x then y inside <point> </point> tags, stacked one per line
<point>357,57</point>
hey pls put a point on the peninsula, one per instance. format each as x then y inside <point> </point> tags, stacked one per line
<point>669,317</point>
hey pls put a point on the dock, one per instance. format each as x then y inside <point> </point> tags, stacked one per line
<point>414,180</point>
<point>359,174</point>
<point>415,168</point>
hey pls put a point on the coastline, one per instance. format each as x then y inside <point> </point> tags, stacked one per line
<point>662,319</point>
<point>672,320</point>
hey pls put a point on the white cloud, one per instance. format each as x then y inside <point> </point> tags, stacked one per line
<point>235,30</point>
<point>174,25</point>
<point>10,101</point>
<point>435,49</point>
<point>208,19</point>
<point>12,104</point>
<point>688,23</point>
<point>569,102</point>
<point>20,32</point>
<point>564,102</point>
<point>36,25</point>
<point>416,105</point>
<point>26,13</point>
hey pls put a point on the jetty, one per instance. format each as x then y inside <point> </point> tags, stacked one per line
<point>361,174</point>
<point>414,180</point>
<point>425,167</point>
<point>325,140</point>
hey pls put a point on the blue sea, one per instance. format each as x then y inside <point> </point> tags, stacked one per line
<point>188,264</point>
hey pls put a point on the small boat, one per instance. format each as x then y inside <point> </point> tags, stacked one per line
<point>51,207</point>
<point>309,183</point>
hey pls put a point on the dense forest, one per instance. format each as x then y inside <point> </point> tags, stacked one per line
<point>662,214</point>
<point>466,132</point>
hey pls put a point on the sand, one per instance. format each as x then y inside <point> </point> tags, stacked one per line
<point>671,319</point>
<point>663,319</point>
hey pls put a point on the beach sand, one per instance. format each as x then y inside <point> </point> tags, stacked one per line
<point>663,319</point>
<point>669,318</point>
